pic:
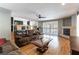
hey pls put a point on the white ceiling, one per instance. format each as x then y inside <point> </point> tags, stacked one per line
<point>48,10</point>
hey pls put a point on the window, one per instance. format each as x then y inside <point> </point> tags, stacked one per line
<point>50,28</point>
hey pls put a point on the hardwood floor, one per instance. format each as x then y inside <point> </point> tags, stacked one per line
<point>58,46</point>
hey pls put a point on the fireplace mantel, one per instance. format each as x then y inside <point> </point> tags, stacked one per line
<point>67,27</point>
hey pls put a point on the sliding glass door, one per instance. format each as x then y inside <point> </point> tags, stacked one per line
<point>50,28</point>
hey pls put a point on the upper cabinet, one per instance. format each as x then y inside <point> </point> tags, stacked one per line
<point>67,21</point>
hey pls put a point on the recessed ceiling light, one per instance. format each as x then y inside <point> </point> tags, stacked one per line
<point>62,3</point>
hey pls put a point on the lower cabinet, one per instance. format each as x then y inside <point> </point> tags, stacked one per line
<point>74,52</point>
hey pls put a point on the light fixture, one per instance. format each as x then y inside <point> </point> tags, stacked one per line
<point>62,3</point>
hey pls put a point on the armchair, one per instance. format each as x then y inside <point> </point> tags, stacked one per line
<point>42,47</point>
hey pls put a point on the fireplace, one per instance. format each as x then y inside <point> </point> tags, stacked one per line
<point>66,31</point>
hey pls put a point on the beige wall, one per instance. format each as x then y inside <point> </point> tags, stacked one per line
<point>73,25</point>
<point>60,22</point>
<point>5,23</point>
<point>74,22</point>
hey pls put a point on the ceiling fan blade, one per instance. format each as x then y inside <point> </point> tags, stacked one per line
<point>41,16</point>
<point>38,15</point>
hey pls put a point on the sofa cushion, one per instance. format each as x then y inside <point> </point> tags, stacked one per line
<point>8,47</point>
<point>2,41</point>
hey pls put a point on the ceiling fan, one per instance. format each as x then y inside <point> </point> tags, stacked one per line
<point>40,16</point>
<point>37,15</point>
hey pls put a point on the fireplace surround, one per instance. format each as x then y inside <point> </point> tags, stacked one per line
<point>66,31</point>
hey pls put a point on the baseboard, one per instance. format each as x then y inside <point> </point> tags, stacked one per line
<point>64,36</point>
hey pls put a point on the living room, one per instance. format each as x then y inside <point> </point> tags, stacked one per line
<point>40,29</point>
